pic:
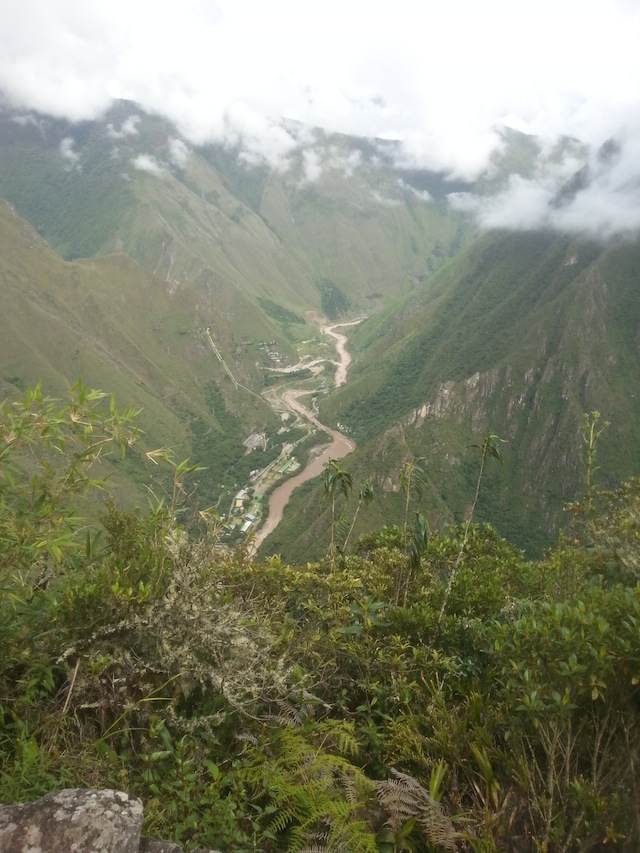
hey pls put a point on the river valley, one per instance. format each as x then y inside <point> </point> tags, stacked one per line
<point>339,446</point>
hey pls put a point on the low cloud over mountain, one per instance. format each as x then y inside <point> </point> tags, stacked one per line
<point>600,196</point>
<point>440,80</point>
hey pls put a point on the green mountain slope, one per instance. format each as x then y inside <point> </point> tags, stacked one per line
<point>520,337</point>
<point>89,193</point>
<point>117,327</point>
<point>359,227</point>
<point>339,214</point>
<point>249,252</point>
<point>515,334</point>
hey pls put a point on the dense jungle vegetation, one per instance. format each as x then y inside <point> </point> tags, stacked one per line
<point>415,690</point>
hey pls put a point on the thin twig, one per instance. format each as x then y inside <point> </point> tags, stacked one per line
<point>70,690</point>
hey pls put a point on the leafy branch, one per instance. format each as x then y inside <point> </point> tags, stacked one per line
<point>489,449</point>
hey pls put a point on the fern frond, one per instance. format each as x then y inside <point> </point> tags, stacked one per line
<point>290,715</point>
<point>249,737</point>
<point>283,819</point>
<point>347,742</point>
<point>305,835</point>
<point>404,798</point>
<point>350,788</point>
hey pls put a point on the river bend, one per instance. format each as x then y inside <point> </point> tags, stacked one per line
<point>339,447</point>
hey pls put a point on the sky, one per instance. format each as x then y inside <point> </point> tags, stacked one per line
<point>441,77</point>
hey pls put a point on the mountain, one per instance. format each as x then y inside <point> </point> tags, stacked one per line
<point>116,326</point>
<point>519,337</point>
<point>185,277</point>
<point>249,253</point>
<point>340,215</point>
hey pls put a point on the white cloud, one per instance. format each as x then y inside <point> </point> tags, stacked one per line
<point>311,166</point>
<point>601,196</point>
<point>441,77</point>
<point>348,164</point>
<point>67,152</point>
<point>261,139</point>
<point>423,195</point>
<point>384,201</point>
<point>178,152</point>
<point>128,128</point>
<point>27,120</point>
<point>317,159</point>
<point>148,163</point>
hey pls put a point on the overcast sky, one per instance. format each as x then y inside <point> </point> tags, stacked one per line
<point>440,76</point>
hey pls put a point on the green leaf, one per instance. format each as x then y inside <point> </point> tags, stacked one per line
<point>160,755</point>
<point>213,769</point>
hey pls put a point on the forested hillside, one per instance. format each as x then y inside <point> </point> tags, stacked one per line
<point>409,692</point>
<point>520,337</point>
<point>319,427</point>
<point>199,276</point>
<point>112,321</point>
<point>218,224</point>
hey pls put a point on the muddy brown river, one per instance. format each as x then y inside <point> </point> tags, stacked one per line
<point>340,445</point>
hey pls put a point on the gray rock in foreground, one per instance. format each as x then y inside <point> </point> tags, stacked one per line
<point>73,820</point>
<point>78,821</point>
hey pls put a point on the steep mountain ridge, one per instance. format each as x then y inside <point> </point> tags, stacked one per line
<point>520,337</point>
<point>177,207</point>
<point>114,325</point>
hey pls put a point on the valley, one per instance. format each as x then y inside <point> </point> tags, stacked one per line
<point>197,293</point>
<point>285,401</point>
<point>320,427</point>
<point>226,634</point>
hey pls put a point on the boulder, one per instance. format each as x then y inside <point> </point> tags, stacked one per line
<point>79,821</point>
